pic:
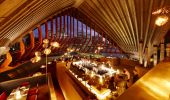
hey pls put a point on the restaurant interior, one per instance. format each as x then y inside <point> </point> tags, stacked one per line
<point>84,50</point>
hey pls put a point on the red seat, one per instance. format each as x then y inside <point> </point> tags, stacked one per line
<point>33,91</point>
<point>3,96</point>
<point>32,97</point>
<point>24,84</point>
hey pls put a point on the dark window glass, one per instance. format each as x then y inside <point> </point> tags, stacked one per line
<point>75,27</point>
<point>54,27</point>
<point>27,40</point>
<point>43,30</point>
<point>63,31</point>
<point>88,32</point>
<point>79,29</point>
<point>58,19</point>
<point>36,35</point>
<point>68,25</point>
<point>49,29</point>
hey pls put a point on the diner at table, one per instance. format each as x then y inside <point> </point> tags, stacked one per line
<point>20,93</point>
<point>24,91</point>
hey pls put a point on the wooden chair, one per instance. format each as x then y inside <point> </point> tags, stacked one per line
<point>32,97</point>
<point>3,96</point>
<point>33,91</point>
<point>24,84</point>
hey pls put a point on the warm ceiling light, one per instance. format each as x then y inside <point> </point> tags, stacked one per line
<point>45,45</point>
<point>46,41</point>
<point>161,20</point>
<point>68,49</point>
<point>37,53</point>
<point>163,10</point>
<point>37,59</point>
<point>47,51</point>
<point>33,60</point>
<point>157,12</point>
<point>54,44</point>
<point>99,48</point>
<point>4,50</point>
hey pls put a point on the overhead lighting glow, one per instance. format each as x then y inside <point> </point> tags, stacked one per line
<point>37,53</point>
<point>4,50</point>
<point>161,20</point>
<point>46,41</point>
<point>47,51</point>
<point>55,44</point>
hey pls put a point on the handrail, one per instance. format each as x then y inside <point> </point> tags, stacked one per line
<point>51,88</point>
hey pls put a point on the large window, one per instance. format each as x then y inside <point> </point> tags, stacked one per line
<point>78,32</point>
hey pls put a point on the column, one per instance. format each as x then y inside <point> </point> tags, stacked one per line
<point>162,50</point>
<point>155,55</point>
<point>149,54</point>
<point>146,57</point>
<point>140,53</point>
<point>168,50</point>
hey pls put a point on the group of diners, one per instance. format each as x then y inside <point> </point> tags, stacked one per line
<point>100,77</point>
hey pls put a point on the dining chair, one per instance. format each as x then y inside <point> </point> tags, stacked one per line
<point>3,96</point>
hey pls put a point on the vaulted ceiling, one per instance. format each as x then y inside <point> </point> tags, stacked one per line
<point>126,22</point>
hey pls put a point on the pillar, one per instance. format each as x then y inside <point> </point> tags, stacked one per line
<point>149,53</point>
<point>168,50</point>
<point>146,57</point>
<point>155,48</point>
<point>162,50</point>
<point>140,53</point>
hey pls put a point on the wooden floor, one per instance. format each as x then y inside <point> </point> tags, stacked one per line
<point>154,85</point>
<point>58,91</point>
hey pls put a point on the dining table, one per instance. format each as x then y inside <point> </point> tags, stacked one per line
<point>19,93</point>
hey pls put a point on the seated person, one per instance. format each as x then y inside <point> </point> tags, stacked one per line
<point>135,76</point>
<point>121,85</point>
<point>112,83</point>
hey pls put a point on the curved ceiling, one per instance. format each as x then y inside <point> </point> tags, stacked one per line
<point>127,22</point>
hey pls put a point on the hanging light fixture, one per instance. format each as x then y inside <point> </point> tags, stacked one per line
<point>47,45</point>
<point>54,44</point>
<point>4,50</point>
<point>46,41</point>
<point>47,51</point>
<point>161,20</point>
